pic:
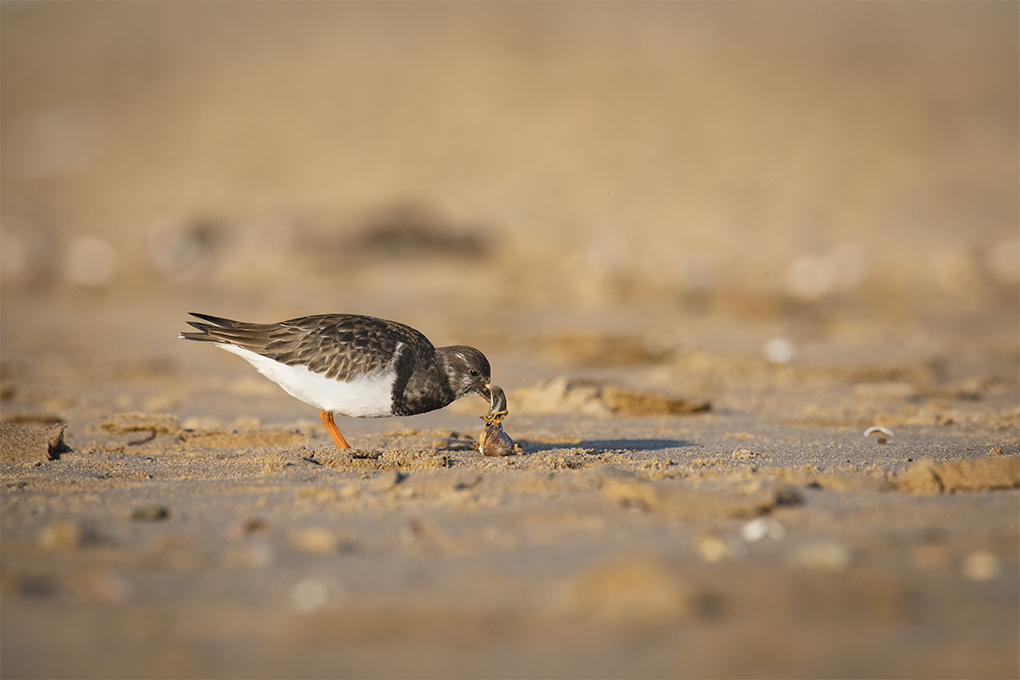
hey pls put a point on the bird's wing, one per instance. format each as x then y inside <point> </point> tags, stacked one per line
<point>338,345</point>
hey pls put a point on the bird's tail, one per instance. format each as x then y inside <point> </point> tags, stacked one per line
<point>208,327</point>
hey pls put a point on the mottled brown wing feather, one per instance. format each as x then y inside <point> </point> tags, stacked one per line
<point>337,345</point>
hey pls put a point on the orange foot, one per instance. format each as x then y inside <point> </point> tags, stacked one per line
<point>327,419</point>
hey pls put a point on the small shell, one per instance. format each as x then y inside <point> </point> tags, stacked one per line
<point>494,441</point>
<point>878,430</point>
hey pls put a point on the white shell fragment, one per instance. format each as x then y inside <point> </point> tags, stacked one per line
<point>762,527</point>
<point>878,430</point>
<point>779,350</point>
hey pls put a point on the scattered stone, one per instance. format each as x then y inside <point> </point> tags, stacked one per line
<point>29,445</point>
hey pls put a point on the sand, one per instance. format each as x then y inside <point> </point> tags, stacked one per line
<point>761,359</point>
<point>192,524</point>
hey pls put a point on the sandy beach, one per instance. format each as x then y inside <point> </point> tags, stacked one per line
<point>749,275</point>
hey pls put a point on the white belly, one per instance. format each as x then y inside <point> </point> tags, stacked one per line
<point>363,397</point>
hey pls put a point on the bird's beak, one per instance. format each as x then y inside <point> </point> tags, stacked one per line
<point>485,392</point>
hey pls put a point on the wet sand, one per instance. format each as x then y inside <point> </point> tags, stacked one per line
<point>694,493</point>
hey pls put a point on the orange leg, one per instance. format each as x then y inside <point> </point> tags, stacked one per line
<point>327,419</point>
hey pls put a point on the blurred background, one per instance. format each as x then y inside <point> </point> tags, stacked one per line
<point>695,175</point>
<point>806,214</point>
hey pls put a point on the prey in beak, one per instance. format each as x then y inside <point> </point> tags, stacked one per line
<point>497,405</point>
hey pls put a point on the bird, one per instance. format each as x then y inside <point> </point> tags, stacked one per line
<point>351,364</point>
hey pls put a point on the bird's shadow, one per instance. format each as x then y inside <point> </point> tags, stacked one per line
<point>603,445</point>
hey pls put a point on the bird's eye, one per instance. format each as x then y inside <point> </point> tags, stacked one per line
<point>474,373</point>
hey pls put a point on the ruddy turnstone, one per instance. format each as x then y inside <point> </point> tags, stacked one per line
<point>357,366</point>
